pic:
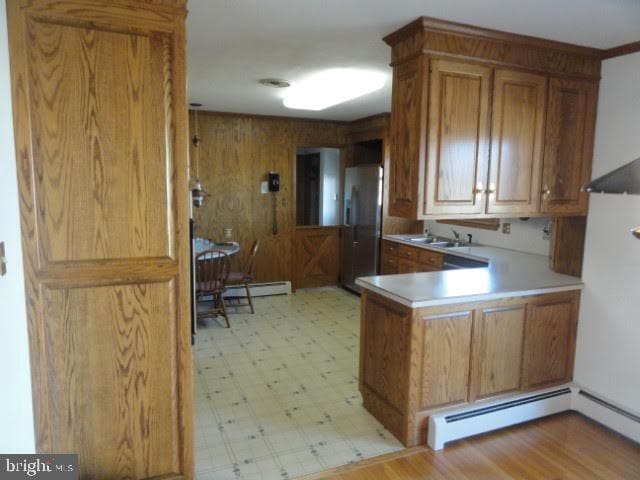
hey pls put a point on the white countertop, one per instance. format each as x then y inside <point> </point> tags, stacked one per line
<point>509,274</point>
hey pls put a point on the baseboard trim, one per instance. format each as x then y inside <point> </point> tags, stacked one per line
<point>606,413</point>
<point>260,289</point>
<point>469,420</point>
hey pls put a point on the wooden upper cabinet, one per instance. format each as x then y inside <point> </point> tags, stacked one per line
<point>477,113</point>
<point>458,139</point>
<point>516,142</point>
<point>407,124</point>
<point>571,113</point>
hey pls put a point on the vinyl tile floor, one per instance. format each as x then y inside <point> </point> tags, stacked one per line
<point>276,395</point>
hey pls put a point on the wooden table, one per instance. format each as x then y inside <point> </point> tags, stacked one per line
<point>203,244</point>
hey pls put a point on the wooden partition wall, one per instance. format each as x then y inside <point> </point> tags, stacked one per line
<point>236,153</point>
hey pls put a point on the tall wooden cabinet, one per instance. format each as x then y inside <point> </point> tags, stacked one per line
<point>571,116</point>
<point>101,141</point>
<point>489,124</point>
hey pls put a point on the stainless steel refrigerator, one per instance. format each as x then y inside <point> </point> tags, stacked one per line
<point>362,219</point>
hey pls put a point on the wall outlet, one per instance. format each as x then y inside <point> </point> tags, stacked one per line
<point>506,228</point>
<point>264,187</point>
<point>546,231</point>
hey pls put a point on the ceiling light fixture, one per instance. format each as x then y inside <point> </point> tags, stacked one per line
<point>331,87</point>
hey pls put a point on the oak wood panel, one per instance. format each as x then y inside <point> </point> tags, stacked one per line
<point>431,35</point>
<point>409,266</point>
<point>458,147</point>
<point>99,112</point>
<point>389,248</point>
<point>430,258</point>
<point>98,216</point>
<point>497,350</point>
<point>389,265</point>
<point>385,356</point>
<point>549,346</point>
<point>408,252</point>
<point>567,245</point>
<point>408,123</point>
<point>570,125</point>
<point>516,142</point>
<point>317,257</point>
<point>446,357</point>
<point>567,445</point>
<point>126,358</point>
<point>236,153</point>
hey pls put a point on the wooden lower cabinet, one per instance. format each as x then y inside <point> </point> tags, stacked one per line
<point>414,361</point>
<point>550,341</point>
<point>400,258</point>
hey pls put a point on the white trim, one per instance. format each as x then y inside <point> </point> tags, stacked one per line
<point>608,417</point>
<point>260,289</point>
<point>616,418</point>
<point>441,430</point>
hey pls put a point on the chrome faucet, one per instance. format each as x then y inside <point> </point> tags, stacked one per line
<point>456,235</point>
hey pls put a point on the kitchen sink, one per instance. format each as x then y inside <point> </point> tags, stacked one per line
<point>439,242</point>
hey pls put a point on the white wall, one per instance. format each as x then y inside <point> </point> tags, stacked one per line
<point>525,236</point>
<point>608,350</point>
<point>330,202</point>
<point>330,196</point>
<point>16,418</point>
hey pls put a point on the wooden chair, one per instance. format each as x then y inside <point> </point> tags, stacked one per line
<point>212,272</point>
<point>245,278</point>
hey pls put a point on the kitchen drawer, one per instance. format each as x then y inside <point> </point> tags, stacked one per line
<point>409,253</point>
<point>409,266</point>
<point>431,259</point>
<point>389,248</point>
<point>389,265</point>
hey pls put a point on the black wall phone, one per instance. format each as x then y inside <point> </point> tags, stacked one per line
<point>274,187</point>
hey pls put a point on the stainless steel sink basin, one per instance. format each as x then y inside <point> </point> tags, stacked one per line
<point>439,242</point>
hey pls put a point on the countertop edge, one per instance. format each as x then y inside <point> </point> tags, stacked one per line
<point>466,298</point>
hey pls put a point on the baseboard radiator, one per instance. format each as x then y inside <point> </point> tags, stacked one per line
<point>454,424</point>
<point>260,289</point>
<point>486,416</point>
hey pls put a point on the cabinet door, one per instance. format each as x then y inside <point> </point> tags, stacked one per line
<point>550,334</point>
<point>388,264</point>
<point>407,130</point>
<point>101,135</point>
<point>408,266</point>
<point>516,142</point>
<point>446,355</point>
<point>458,148</point>
<point>497,350</point>
<point>568,147</point>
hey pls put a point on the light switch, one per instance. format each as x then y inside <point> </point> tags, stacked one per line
<point>264,187</point>
<point>3,260</point>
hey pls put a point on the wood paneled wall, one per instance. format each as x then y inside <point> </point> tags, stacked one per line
<point>236,153</point>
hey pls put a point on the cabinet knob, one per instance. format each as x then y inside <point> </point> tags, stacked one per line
<point>546,191</point>
<point>478,191</point>
<point>490,191</point>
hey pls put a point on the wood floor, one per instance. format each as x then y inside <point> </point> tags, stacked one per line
<point>564,446</point>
